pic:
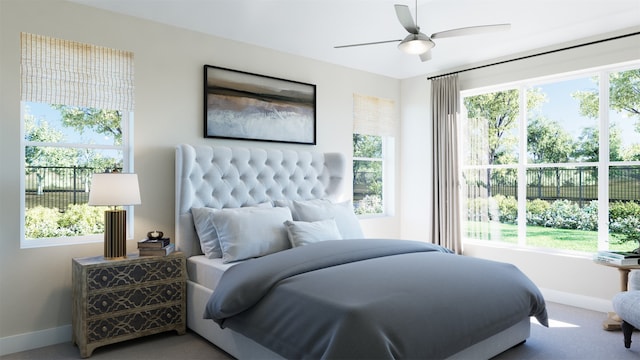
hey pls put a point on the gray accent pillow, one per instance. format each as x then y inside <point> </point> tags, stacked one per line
<point>203,221</point>
<point>251,231</point>
<point>303,233</point>
<point>345,218</point>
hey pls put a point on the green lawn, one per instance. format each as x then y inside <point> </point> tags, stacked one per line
<point>543,237</point>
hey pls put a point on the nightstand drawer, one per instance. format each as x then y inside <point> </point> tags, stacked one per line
<point>130,298</point>
<point>131,323</point>
<point>141,272</point>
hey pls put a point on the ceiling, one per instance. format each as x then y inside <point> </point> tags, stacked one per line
<point>311,28</point>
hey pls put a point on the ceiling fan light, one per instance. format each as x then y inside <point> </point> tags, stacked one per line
<point>415,44</point>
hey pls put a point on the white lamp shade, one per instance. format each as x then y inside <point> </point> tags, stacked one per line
<point>416,44</point>
<point>114,189</point>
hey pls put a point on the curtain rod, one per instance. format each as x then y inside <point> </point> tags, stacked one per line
<point>534,55</point>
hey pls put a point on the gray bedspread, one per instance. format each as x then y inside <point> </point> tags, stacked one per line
<point>372,299</point>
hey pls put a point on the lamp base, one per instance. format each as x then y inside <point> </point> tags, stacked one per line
<point>115,234</point>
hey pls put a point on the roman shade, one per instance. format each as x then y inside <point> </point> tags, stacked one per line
<point>373,116</point>
<point>56,71</point>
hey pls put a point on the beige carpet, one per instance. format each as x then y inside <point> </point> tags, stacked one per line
<point>574,334</point>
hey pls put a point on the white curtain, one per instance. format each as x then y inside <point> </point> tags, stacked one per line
<point>446,225</point>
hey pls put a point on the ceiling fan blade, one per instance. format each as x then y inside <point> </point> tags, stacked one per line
<point>404,16</point>
<point>369,43</point>
<point>426,56</point>
<point>471,30</point>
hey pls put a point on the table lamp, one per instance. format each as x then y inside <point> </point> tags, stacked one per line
<point>114,189</point>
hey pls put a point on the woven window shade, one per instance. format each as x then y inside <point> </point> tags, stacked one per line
<point>373,116</point>
<point>55,71</point>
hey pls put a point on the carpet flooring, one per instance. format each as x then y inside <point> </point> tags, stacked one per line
<point>574,333</point>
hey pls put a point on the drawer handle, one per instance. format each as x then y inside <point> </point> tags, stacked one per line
<point>104,278</point>
<point>169,292</point>
<point>169,269</point>
<point>169,316</point>
<point>104,329</point>
<point>104,303</point>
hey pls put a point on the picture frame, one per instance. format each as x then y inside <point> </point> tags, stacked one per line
<point>246,106</point>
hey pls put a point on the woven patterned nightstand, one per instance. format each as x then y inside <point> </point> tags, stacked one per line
<point>117,300</point>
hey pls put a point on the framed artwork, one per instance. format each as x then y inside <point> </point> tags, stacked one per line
<point>241,105</point>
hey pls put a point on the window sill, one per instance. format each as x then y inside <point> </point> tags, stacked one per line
<point>373,216</point>
<point>60,241</point>
<point>530,249</point>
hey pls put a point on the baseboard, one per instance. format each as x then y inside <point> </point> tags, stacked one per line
<point>33,340</point>
<point>581,301</point>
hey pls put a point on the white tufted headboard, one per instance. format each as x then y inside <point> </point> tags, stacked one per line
<point>228,177</point>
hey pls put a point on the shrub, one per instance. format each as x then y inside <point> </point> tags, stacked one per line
<point>588,217</point>
<point>82,220</point>
<point>41,222</point>
<point>536,210</point>
<point>627,229</point>
<point>623,209</point>
<point>370,204</point>
<point>624,217</point>
<point>562,214</point>
<point>508,209</point>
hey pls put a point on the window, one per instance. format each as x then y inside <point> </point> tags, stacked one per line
<point>76,120</point>
<point>373,142</point>
<point>555,163</point>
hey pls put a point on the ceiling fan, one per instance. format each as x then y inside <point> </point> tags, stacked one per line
<point>417,43</point>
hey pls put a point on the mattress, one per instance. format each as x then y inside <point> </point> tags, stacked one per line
<point>206,272</point>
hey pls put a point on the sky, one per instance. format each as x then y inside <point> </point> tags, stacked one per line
<point>53,118</point>
<point>565,109</point>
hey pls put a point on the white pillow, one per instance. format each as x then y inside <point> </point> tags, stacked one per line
<point>345,218</point>
<point>303,233</point>
<point>289,204</point>
<point>251,231</point>
<point>203,221</point>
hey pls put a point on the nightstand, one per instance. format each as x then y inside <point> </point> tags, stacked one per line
<point>118,300</point>
<point>613,321</point>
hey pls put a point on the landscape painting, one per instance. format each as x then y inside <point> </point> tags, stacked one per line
<point>241,105</point>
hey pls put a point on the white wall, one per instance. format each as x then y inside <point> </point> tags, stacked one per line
<point>416,179</point>
<point>567,279</point>
<point>35,284</point>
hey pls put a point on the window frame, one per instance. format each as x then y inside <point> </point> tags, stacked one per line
<point>377,116</point>
<point>388,166</point>
<point>127,158</point>
<point>603,164</point>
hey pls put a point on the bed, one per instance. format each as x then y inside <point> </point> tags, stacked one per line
<point>259,296</point>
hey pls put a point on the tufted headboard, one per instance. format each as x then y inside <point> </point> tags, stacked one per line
<point>229,177</point>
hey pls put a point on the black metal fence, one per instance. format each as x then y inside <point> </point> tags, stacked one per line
<point>57,186</point>
<point>579,184</point>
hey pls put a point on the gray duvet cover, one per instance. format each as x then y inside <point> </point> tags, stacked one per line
<point>372,299</point>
